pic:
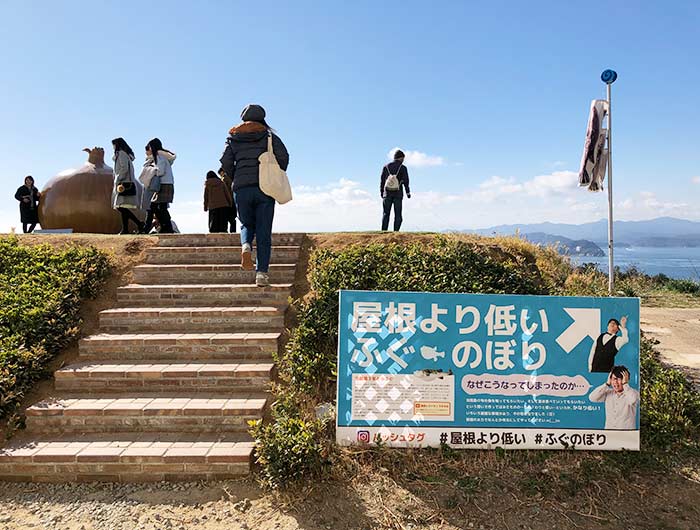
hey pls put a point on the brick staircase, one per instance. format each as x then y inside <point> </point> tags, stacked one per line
<point>165,391</point>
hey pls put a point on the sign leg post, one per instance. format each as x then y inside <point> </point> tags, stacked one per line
<point>611,250</point>
<point>608,77</point>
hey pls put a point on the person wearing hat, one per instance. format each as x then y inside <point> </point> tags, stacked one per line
<point>393,181</point>
<point>246,142</point>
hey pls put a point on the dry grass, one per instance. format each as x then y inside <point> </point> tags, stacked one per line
<point>530,489</point>
<point>671,299</point>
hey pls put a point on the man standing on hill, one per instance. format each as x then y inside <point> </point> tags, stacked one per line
<point>393,180</point>
<point>605,348</point>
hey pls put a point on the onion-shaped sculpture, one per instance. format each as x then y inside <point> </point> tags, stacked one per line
<point>81,199</point>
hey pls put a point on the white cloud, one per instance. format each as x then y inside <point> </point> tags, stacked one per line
<point>627,204</point>
<point>695,180</point>
<point>556,183</point>
<point>338,206</point>
<point>662,207</point>
<point>496,186</point>
<point>418,159</point>
<point>9,220</point>
<point>189,216</point>
<point>349,205</point>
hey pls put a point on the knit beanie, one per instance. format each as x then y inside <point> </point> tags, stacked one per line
<point>253,113</point>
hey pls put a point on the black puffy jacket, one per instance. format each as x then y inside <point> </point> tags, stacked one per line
<point>245,144</point>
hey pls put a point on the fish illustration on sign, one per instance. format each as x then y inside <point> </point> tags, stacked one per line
<point>431,353</point>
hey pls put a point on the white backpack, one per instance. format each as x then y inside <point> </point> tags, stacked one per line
<point>273,179</point>
<point>392,181</point>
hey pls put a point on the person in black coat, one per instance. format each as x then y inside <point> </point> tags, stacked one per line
<point>393,181</point>
<point>256,210</point>
<point>28,197</point>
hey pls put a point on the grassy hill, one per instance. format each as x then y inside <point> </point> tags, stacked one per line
<point>303,479</point>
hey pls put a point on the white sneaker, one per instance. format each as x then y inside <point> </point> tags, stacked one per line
<point>247,258</point>
<point>262,279</point>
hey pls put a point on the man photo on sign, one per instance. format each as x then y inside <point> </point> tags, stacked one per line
<point>606,346</point>
<point>620,400</point>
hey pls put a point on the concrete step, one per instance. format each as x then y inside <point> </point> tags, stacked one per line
<point>194,319</point>
<point>214,255</point>
<point>143,414</point>
<point>113,458</point>
<point>136,295</point>
<point>207,274</point>
<point>216,379</point>
<point>222,240</point>
<point>179,347</point>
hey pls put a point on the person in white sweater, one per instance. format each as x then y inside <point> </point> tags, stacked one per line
<point>163,188</point>
<point>621,400</point>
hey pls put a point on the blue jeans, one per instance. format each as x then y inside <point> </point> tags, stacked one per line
<point>395,199</point>
<point>256,211</point>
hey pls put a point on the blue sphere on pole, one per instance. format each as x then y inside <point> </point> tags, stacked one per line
<point>608,77</point>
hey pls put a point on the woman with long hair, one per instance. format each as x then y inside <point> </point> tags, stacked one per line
<point>126,196</point>
<point>28,197</point>
<point>256,210</point>
<point>162,185</point>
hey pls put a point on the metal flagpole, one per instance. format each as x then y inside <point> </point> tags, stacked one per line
<point>608,77</point>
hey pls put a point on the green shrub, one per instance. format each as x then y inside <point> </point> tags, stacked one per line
<point>670,407</point>
<point>588,280</point>
<point>447,265</point>
<point>40,292</point>
<point>288,448</point>
<point>683,286</point>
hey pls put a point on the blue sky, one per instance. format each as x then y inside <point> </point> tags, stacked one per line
<point>492,98</point>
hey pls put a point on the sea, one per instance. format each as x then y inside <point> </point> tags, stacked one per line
<point>674,262</point>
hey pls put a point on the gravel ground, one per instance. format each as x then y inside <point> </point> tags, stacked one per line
<point>168,506</point>
<point>368,500</point>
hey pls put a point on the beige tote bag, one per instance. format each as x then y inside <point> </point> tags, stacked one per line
<point>273,179</point>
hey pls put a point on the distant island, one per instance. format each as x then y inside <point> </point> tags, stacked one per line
<point>566,246</point>
<point>659,232</point>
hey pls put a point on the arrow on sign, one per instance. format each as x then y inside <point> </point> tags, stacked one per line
<point>586,324</point>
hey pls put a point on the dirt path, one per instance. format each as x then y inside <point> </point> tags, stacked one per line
<point>371,500</point>
<point>678,333</point>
